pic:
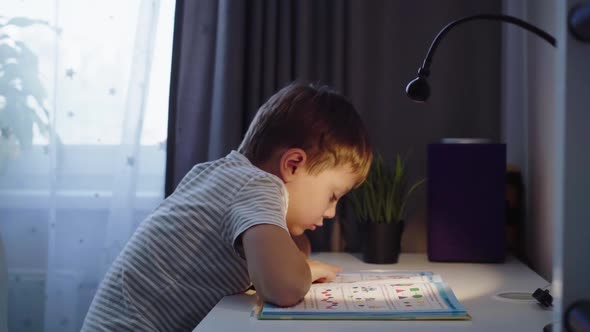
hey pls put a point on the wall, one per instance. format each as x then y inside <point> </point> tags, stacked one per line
<point>547,127</point>
<point>543,138</point>
<point>529,117</point>
<point>572,233</point>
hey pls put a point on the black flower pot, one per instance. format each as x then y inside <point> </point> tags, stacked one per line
<point>381,242</point>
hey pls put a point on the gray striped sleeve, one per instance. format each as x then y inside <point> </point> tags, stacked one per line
<point>263,200</point>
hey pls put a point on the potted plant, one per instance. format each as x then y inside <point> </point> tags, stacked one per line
<point>380,204</point>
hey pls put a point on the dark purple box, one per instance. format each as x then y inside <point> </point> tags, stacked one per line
<point>466,202</point>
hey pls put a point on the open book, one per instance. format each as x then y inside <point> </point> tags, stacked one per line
<point>375,295</point>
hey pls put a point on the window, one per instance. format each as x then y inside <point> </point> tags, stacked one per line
<point>83,121</point>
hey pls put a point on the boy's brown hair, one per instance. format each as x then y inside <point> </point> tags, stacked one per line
<point>318,120</point>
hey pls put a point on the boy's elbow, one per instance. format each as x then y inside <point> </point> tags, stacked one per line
<point>284,292</point>
<point>286,296</point>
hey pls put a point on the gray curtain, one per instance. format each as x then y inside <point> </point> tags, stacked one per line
<point>230,56</point>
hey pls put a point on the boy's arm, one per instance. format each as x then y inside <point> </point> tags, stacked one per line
<point>279,271</point>
<point>302,242</point>
<point>277,268</point>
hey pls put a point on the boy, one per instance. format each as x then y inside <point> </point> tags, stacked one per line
<point>229,224</point>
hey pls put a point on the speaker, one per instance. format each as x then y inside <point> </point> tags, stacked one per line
<point>466,201</point>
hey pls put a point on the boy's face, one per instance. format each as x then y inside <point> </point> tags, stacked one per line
<point>313,197</point>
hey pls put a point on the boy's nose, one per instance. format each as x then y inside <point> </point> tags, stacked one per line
<point>330,213</point>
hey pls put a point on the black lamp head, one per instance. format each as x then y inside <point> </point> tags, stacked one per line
<point>418,89</point>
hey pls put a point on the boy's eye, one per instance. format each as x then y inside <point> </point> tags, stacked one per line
<point>333,198</point>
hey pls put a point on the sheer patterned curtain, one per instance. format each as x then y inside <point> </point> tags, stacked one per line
<point>83,116</point>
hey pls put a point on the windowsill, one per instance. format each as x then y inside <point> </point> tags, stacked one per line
<point>86,177</point>
<point>68,199</point>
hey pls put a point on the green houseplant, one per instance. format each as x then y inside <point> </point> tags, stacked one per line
<point>380,204</point>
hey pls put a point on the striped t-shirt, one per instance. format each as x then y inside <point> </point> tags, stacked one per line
<point>186,255</point>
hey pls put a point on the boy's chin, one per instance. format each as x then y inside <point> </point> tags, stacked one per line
<point>296,231</point>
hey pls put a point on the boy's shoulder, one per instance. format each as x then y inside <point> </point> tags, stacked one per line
<point>254,175</point>
<point>236,167</point>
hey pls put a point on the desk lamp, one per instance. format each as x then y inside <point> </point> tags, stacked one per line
<point>418,89</point>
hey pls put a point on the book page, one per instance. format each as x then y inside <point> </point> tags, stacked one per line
<point>347,277</point>
<point>374,292</point>
<point>373,295</point>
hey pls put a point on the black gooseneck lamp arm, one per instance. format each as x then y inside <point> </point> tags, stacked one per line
<point>418,89</point>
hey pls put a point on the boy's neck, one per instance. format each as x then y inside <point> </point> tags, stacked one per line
<point>272,165</point>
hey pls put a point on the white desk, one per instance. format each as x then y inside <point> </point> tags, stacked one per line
<point>474,284</point>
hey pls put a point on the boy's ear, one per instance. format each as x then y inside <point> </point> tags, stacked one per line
<point>292,162</point>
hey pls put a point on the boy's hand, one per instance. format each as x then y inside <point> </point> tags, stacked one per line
<point>322,272</point>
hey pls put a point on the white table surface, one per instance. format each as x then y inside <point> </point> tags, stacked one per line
<point>474,285</point>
